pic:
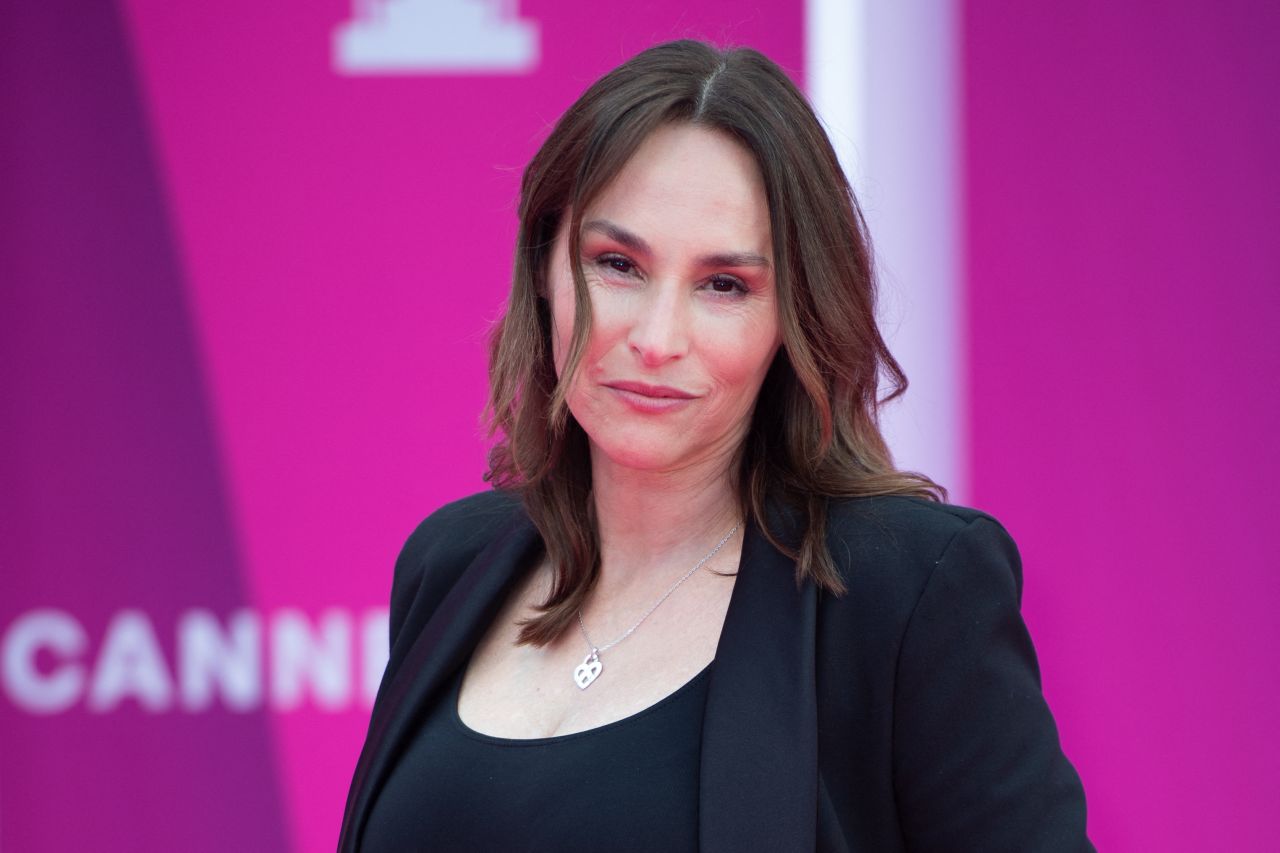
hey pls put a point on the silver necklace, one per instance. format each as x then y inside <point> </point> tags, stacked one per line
<point>589,670</point>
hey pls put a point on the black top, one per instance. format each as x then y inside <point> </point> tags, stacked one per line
<point>904,716</point>
<point>630,785</point>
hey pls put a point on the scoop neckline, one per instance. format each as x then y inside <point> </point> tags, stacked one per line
<point>462,727</point>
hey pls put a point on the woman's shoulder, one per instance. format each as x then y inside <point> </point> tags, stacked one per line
<point>459,529</point>
<point>444,544</point>
<point>902,520</point>
<point>899,541</point>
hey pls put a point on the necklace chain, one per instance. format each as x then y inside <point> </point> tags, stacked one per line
<point>596,650</point>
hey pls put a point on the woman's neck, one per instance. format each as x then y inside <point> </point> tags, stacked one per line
<point>659,522</point>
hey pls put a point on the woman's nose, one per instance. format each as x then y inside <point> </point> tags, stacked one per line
<point>659,328</point>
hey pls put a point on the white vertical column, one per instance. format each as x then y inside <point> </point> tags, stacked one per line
<point>885,79</point>
<point>836,65</point>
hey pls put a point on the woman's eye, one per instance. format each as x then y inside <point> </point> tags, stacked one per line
<point>617,264</point>
<point>726,285</point>
<point>720,284</point>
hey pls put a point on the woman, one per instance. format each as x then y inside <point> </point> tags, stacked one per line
<point>702,609</point>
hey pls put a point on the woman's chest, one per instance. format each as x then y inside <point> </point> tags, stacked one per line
<point>514,691</point>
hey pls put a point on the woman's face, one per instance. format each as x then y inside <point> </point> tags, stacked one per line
<point>679,267</point>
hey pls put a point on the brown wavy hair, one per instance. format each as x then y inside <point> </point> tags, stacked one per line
<point>815,433</point>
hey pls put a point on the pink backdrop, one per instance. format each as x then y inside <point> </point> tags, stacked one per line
<point>241,355</point>
<point>1124,281</point>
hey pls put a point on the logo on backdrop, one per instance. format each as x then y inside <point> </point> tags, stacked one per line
<point>435,36</point>
<point>247,662</point>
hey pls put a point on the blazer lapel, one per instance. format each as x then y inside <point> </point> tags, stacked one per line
<point>759,774</point>
<point>453,630</point>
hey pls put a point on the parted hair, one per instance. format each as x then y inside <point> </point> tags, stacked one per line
<point>814,433</point>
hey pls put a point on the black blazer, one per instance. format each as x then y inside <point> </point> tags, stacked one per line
<point>905,715</point>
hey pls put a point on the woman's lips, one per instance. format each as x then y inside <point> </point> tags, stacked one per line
<point>650,390</point>
<point>650,399</point>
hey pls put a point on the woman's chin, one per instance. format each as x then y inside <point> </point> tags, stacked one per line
<point>641,455</point>
<point>658,452</point>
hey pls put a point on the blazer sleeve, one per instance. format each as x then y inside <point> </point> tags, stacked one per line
<point>977,762</point>
<point>407,577</point>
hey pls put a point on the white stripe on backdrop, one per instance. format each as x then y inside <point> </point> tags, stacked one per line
<point>885,80</point>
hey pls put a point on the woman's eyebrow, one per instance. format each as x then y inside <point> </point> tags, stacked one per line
<point>637,244</point>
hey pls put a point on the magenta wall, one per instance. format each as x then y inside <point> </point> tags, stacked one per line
<point>241,356</point>
<point>1124,296</point>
